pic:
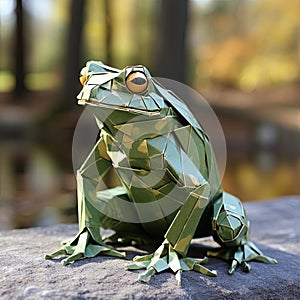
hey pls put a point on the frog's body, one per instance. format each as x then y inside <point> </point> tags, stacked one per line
<point>168,186</point>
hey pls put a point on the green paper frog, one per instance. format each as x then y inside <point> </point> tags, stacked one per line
<point>167,184</point>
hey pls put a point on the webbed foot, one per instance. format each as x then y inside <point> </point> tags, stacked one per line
<point>165,257</point>
<point>241,255</point>
<point>84,246</point>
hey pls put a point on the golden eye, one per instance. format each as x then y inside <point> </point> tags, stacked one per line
<point>136,82</point>
<point>82,76</point>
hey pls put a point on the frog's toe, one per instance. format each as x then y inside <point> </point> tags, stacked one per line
<point>190,263</point>
<point>147,274</point>
<point>139,262</point>
<point>55,254</point>
<point>72,258</point>
<point>203,270</point>
<point>178,277</point>
<point>245,266</point>
<point>233,266</point>
<point>267,259</point>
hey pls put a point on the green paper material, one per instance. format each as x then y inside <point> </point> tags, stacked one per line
<point>168,180</point>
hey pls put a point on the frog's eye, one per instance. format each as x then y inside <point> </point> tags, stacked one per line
<point>136,82</point>
<point>82,76</point>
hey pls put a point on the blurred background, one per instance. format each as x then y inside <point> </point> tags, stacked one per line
<point>243,56</point>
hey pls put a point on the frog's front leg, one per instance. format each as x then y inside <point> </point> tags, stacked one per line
<point>172,253</point>
<point>231,230</point>
<point>88,242</point>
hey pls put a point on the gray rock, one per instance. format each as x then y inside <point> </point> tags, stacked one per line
<point>275,224</point>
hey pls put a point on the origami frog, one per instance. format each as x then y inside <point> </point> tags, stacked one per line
<point>168,186</point>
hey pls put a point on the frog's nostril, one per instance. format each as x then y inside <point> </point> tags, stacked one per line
<point>82,77</point>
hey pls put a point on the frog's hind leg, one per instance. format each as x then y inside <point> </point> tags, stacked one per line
<point>231,230</point>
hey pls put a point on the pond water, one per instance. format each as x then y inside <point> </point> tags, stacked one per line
<point>38,185</point>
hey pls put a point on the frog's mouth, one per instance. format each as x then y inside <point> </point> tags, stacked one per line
<point>97,104</point>
<point>84,97</point>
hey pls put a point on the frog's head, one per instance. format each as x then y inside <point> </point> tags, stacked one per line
<point>131,89</point>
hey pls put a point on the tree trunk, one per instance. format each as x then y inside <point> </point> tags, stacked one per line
<point>19,67</point>
<point>108,32</point>
<point>171,50</point>
<point>71,83</point>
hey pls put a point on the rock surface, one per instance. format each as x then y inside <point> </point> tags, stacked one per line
<point>275,227</point>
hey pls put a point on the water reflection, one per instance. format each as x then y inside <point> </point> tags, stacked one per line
<point>35,191</point>
<point>262,177</point>
<point>38,190</point>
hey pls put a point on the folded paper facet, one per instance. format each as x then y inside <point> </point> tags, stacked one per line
<point>168,184</point>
